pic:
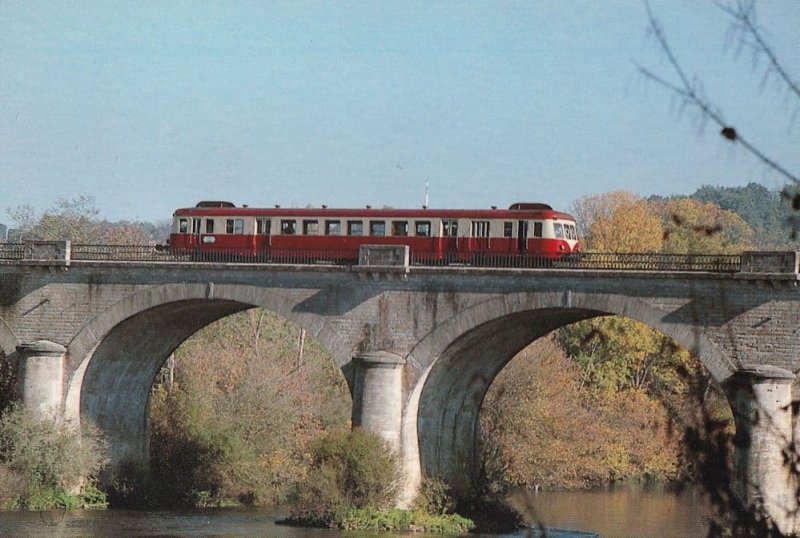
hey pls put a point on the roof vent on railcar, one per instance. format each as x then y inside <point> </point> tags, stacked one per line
<point>215,203</point>
<point>529,205</point>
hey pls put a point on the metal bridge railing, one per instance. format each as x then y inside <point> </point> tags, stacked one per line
<point>132,253</point>
<point>12,251</point>
<point>230,255</point>
<point>716,263</point>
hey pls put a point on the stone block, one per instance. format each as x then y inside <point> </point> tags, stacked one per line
<point>771,262</point>
<point>48,251</point>
<point>383,256</point>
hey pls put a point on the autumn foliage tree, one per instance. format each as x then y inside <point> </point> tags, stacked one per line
<point>544,426</point>
<point>619,221</point>
<point>246,403</point>
<point>694,227</point>
<point>623,222</point>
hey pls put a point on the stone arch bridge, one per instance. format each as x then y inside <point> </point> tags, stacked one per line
<point>419,346</point>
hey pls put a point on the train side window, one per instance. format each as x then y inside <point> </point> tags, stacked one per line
<point>449,228</point>
<point>399,227</point>
<point>508,229</point>
<point>183,226</point>
<point>355,227</point>
<point>558,228</point>
<point>263,226</point>
<point>310,227</point>
<point>377,227</point>
<point>333,227</point>
<point>288,227</point>
<point>238,226</point>
<point>422,228</point>
<point>537,229</point>
<point>480,228</point>
<point>209,226</point>
<point>229,226</point>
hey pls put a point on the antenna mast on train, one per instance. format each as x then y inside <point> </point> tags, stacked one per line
<point>425,206</point>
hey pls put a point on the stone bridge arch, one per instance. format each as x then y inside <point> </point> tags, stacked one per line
<point>112,361</point>
<point>456,363</point>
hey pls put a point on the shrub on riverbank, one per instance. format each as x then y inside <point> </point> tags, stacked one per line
<point>434,497</point>
<point>42,460</point>
<point>54,497</point>
<point>352,484</point>
<point>348,470</point>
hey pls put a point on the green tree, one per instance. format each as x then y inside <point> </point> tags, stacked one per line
<point>767,212</point>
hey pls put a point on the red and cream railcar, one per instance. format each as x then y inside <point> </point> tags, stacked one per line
<point>534,230</point>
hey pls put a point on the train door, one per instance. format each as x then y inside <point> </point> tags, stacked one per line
<point>254,233</point>
<point>196,241</point>
<point>263,234</point>
<point>522,236</point>
<point>479,236</point>
<point>448,239</point>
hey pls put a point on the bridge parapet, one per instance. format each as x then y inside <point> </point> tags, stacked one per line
<point>771,262</point>
<point>37,252</point>
<point>384,257</point>
<point>48,251</point>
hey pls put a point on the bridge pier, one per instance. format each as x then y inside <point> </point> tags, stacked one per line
<point>41,377</point>
<point>378,395</point>
<point>764,478</point>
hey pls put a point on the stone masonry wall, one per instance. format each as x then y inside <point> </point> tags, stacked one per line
<point>755,320</point>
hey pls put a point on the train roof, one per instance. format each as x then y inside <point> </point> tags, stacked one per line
<point>516,211</point>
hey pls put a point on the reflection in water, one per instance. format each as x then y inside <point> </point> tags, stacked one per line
<point>628,511</point>
<point>618,513</point>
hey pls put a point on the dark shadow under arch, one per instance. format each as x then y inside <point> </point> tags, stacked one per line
<point>449,406</point>
<point>117,382</point>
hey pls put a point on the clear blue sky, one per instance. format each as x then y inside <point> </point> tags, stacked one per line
<point>150,106</point>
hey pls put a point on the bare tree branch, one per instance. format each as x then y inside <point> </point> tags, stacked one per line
<point>691,92</point>
<point>744,16</point>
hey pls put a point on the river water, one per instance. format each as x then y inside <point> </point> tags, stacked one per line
<point>619,513</point>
